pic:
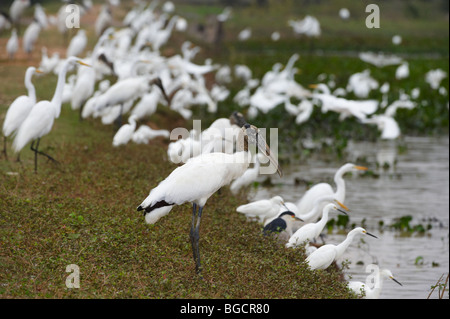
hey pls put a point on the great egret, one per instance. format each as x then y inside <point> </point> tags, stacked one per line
<point>16,10</point>
<point>249,176</point>
<point>282,226</point>
<point>40,120</point>
<point>326,254</point>
<point>373,292</point>
<point>305,204</point>
<point>12,46</point>
<point>21,107</point>
<point>311,231</point>
<point>125,132</point>
<point>77,44</point>
<point>262,209</point>
<point>201,177</point>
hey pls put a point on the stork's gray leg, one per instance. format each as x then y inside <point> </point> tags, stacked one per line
<point>198,266</point>
<point>191,234</point>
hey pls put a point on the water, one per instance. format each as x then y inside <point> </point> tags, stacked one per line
<point>416,183</point>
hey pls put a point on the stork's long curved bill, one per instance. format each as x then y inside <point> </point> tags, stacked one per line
<point>264,149</point>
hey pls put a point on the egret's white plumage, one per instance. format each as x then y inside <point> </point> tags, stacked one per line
<point>12,46</point>
<point>262,209</point>
<point>324,256</point>
<point>311,231</point>
<point>77,44</point>
<point>125,133</point>
<point>305,204</point>
<point>39,121</point>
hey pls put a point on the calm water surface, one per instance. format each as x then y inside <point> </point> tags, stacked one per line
<point>416,183</point>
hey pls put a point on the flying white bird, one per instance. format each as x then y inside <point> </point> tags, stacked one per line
<point>200,178</point>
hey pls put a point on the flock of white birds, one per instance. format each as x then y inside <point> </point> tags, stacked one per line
<point>146,79</point>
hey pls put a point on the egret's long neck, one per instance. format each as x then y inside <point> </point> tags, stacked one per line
<point>340,185</point>
<point>30,86</point>
<point>57,97</point>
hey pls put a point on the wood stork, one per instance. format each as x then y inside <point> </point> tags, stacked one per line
<point>201,177</point>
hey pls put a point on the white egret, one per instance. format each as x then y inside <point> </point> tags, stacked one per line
<point>40,120</point>
<point>103,21</point>
<point>48,64</point>
<point>30,36</point>
<point>262,209</point>
<point>282,226</point>
<point>5,21</point>
<point>77,44</point>
<point>305,204</point>
<point>309,26</point>
<point>388,126</point>
<point>324,256</point>
<point>144,134</point>
<point>434,77</point>
<point>249,176</point>
<point>201,177</point>
<point>17,9</point>
<point>21,107</point>
<point>373,292</point>
<point>12,46</point>
<point>402,71</point>
<point>311,231</point>
<point>125,132</point>
<point>245,34</point>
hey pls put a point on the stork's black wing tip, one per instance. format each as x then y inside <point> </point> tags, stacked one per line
<point>140,208</point>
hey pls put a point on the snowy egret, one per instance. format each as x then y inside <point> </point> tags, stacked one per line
<point>21,107</point>
<point>249,176</point>
<point>77,44</point>
<point>305,204</point>
<point>262,209</point>
<point>311,231</point>
<point>326,254</point>
<point>374,292</point>
<point>282,226</point>
<point>40,120</point>
<point>201,177</point>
